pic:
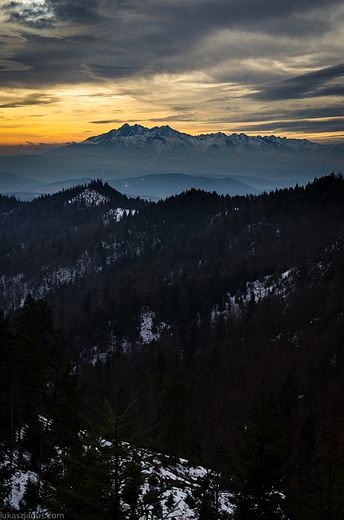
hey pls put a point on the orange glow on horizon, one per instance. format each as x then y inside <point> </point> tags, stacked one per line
<point>58,130</point>
<point>74,114</point>
<point>71,133</point>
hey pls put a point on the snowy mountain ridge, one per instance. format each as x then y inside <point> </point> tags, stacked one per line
<point>135,150</point>
<point>165,137</point>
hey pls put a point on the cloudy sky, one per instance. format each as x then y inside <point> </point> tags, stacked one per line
<point>70,69</point>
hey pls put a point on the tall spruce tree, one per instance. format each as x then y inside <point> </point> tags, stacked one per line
<point>6,391</point>
<point>263,463</point>
<point>32,355</point>
<point>204,499</point>
<point>6,430</point>
<point>108,479</point>
<point>25,360</point>
<point>323,498</point>
<point>178,413</point>
<point>65,407</point>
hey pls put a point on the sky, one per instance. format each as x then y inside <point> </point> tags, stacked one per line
<point>70,69</point>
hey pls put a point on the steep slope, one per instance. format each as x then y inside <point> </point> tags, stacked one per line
<point>236,287</point>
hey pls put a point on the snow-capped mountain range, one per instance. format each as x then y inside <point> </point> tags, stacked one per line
<point>133,151</point>
<point>137,150</point>
<point>164,137</point>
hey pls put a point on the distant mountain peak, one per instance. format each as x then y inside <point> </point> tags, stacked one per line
<point>127,129</point>
<point>140,136</point>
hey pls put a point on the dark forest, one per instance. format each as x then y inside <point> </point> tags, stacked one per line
<point>201,326</point>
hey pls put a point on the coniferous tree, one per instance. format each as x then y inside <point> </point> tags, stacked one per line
<point>65,407</point>
<point>307,442</point>
<point>6,391</point>
<point>262,467</point>
<point>33,347</point>
<point>65,438</point>
<point>323,498</point>
<point>178,413</point>
<point>25,358</point>
<point>6,430</point>
<point>205,497</point>
<point>106,480</point>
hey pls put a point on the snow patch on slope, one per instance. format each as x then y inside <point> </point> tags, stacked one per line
<point>116,214</point>
<point>18,484</point>
<point>147,326</point>
<point>88,199</point>
<point>254,291</point>
<point>149,332</point>
<point>262,289</point>
<point>180,480</point>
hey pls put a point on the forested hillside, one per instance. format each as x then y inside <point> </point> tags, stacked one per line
<point>218,319</point>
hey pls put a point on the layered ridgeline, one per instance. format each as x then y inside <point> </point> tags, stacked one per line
<point>258,163</point>
<point>219,319</point>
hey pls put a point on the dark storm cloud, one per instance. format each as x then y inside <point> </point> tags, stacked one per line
<point>30,100</point>
<point>171,36</point>
<point>47,14</point>
<point>76,11</point>
<point>302,114</point>
<point>105,122</point>
<point>312,84</point>
<point>53,61</point>
<point>334,125</point>
<point>266,15</point>
<point>184,21</point>
<point>194,21</point>
<point>318,113</point>
<point>186,118</point>
<point>32,15</point>
<point>201,14</point>
<point>119,64</point>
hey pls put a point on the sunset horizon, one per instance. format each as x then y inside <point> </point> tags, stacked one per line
<point>71,70</point>
<point>43,144</point>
